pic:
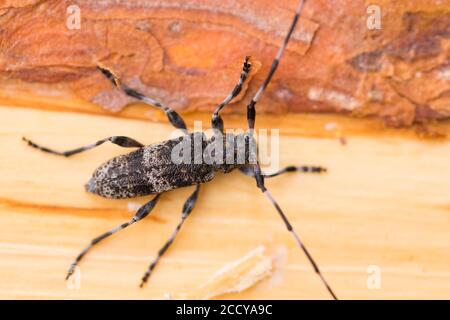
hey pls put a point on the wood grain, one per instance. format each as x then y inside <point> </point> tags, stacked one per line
<point>384,202</point>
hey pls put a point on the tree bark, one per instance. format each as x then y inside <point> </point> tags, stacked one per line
<point>188,53</point>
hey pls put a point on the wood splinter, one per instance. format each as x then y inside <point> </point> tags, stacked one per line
<point>235,276</point>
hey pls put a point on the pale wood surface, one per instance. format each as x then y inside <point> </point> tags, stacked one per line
<point>384,202</point>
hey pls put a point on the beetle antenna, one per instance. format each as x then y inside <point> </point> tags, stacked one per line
<point>251,117</point>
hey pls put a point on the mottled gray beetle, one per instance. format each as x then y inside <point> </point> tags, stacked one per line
<point>150,169</point>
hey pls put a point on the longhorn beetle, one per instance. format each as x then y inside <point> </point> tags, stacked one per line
<point>149,170</point>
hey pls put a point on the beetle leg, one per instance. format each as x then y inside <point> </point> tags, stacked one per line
<point>118,140</point>
<point>187,208</point>
<point>248,171</point>
<point>140,214</point>
<point>216,120</point>
<point>174,118</point>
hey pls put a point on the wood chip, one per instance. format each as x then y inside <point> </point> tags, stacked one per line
<point>235,276</point>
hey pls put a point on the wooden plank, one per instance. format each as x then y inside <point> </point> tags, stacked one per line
<point>384,202</point>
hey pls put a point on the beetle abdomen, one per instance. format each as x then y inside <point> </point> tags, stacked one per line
<point>149,170</point>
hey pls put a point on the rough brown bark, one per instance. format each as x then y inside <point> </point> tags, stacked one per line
<point>188,53</point>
